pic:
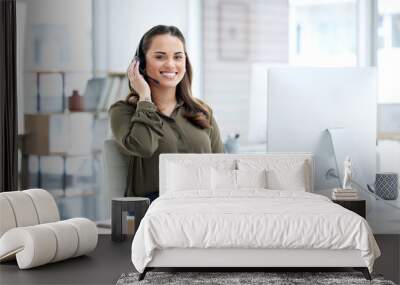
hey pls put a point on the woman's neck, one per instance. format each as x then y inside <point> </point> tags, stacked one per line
<point>163,97</point>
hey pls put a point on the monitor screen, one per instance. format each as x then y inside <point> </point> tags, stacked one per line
<point>323,111</point>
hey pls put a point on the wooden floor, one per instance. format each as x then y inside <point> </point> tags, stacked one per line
<point>102,266</point>
<point>110,260</point>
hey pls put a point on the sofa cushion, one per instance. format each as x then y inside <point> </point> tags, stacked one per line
<point>23,208</point>
<point>45,205</point>
<point>7,216</point>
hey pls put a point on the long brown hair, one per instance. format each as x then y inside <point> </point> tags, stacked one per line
<point>196,111</point>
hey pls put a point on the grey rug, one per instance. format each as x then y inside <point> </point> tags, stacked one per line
<point>270,278</point>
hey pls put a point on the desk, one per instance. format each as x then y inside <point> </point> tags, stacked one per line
<point>382,215</point>
<point>357,206</point>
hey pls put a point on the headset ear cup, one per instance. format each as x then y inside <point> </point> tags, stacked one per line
<point>141,57</point>
<point>142,63</point>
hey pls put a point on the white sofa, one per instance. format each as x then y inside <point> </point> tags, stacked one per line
<point>31,231</point>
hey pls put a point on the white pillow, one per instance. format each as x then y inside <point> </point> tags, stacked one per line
<point>223,179</point>
<point>236,179</point>
<point>288,178</point>
<point>251,178</point>
<point>182,177</point>
<point>282,173</point>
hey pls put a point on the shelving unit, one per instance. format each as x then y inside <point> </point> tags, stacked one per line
<point>69,189</point>
<point>29,140</point>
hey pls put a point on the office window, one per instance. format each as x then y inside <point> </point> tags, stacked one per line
<point>388,50</point>
<point>323,33</point>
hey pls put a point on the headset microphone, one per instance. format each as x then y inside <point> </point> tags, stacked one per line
<point>151,78</point>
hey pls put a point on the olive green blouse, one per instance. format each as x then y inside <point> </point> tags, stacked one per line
<point>144,133</point>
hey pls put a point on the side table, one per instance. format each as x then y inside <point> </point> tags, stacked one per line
<point>357,206</point>
<point>138,205</point>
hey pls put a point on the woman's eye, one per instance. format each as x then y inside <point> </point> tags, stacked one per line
<point>163,57</point>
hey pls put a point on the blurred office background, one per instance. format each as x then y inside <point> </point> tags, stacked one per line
<point>84,47</point>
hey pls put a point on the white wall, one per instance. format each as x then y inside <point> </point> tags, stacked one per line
<point>62,29</point>
<point>227,81</point>
<point>58,37</point>
<point>388,156</point>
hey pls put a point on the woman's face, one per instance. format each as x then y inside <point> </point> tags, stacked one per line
<point>165,60</point>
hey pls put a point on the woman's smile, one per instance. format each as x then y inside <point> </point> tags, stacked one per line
<point>168,74</point>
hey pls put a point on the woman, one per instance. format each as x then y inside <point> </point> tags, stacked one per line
<point>160,115</point>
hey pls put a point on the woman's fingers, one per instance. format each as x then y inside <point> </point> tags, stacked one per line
<point>137,81</point>
<point>133,74</point>
<point>133,67</point>
<point>130,75</point>
<point>133,70</point>
<point>136,67</point>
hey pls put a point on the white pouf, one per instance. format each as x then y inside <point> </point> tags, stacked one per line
<point>30,230</point>
<point>40,244</point>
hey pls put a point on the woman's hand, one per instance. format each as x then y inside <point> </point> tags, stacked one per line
<point>138,82</point>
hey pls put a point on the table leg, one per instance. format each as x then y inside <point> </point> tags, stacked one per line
<point>116,221</point>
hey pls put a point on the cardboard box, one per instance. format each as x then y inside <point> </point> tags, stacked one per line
<point>58,133</point>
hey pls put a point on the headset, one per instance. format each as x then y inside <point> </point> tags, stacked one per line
<point>141,57</point>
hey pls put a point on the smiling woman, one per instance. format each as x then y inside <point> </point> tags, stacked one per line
<point>160,115</point>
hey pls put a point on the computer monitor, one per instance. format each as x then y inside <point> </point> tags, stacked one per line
<point>304,103</point>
